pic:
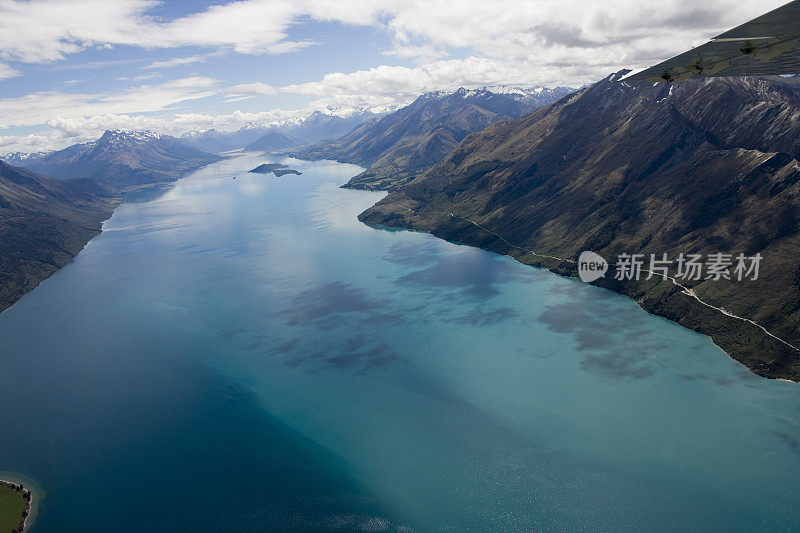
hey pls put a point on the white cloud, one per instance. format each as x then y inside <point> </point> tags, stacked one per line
<point>142,77</point>
<point>425,52</point>
<point>65,131</point>
<point>247,26</point>
<point>286,47</point>
<point>385,87</point>
<point>453,43</point>
<point>39,31</point>
<point>516,42</point>
<point>8,72</point>
<point>532,28</point>
<point>42,107</point>
<point>548,33</point>
<point>176,62</point>
<point>95,64</point>
<point>46,30</point>
<point>248,90</point>
<point>25,143</point>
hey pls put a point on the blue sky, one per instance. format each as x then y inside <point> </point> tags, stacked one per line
<point>71,69</point>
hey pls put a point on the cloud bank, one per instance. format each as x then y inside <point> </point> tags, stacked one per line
<point>444,45</point>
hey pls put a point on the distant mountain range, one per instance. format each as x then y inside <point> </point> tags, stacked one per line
<point>403,144</point>
<point>269,138</point>
<point>44,223</point>
<point>708,166</point>
<point>120,159</point>
<point>251,138</point>
<point>216,141</point>
<point>318,126</point>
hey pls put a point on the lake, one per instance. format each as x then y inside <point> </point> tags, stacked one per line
<point>239,353</point>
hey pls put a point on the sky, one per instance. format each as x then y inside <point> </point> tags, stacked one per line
<point>70,69</point>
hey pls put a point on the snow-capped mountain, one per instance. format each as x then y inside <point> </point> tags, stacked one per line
<point>121,159</point>
<point>19,158</point>
<point>403,144</point>
<point>318,125</point>
<point>313,128</point>
<point>217,141</point>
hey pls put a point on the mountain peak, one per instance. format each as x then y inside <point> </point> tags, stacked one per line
<point>115,136</point>
<point>520,93</point>
<point>122,159</point>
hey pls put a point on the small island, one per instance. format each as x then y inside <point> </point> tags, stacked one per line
<point>15,506</point>
<point>275,168</point>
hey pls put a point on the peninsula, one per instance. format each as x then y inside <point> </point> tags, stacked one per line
<point>15,506</point>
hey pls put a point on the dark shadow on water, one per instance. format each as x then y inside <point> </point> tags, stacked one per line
<point>357,354</point>
<point>334,304</point>
<point>792,442</point>
<point>474,275</point>
<point>484,317</point>
<point>613,346</point>
<point>617,366</point>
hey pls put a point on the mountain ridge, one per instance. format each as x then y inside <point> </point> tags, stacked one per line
<point>319,126</point>
<point>399,146</point>
<point>44,223</point>
<point>122,159</point>
<point>274,140</point>
<point>705,166</point>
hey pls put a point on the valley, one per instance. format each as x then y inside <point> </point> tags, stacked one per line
<point>399,266</point>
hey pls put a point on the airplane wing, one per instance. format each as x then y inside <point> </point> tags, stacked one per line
<point>769,44</point>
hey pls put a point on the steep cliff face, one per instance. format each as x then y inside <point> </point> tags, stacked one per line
<point>707,166</point>
<point>403,144</point>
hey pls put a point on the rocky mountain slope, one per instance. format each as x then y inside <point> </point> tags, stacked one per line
<point>44,223</point>
<point>707,166</point>
<point>122,159</point>
<point>403,144</point>
<point>274,140</point>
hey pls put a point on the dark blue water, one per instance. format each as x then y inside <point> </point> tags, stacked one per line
<point>243,355</point>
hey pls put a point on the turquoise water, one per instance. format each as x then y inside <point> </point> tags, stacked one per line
<point>244,355</point>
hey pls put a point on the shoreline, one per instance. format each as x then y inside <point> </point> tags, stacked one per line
<point>27,495</point>
<point>112,205</point>
<point>732,334</point>
<point>725,330</point>
<point>114,202</point>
